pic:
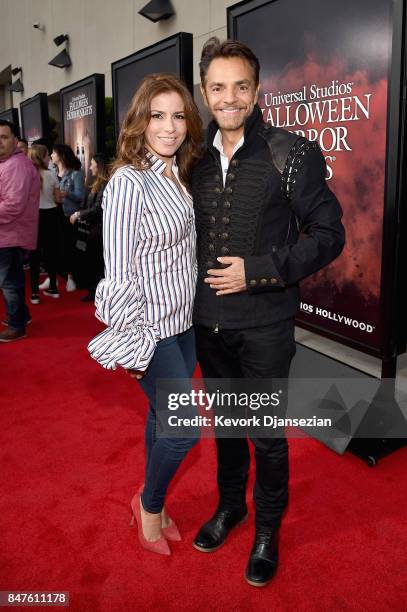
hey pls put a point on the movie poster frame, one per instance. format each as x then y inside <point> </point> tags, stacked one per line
<point>183,41</point>
<point>11,114</point>
<point>98,81</point>
<point>42,100</point>
<point>392,295</point>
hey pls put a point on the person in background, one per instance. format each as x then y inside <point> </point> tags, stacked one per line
<point>22,144</point>
<point>72,195</point>
<point>19,206</point>
<point>51,166</point>
<point>94,216</point>
<point>47,245</point>
<point>45,142</point>
<point>147,294</point>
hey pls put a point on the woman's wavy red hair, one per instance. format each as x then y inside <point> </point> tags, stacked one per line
<point>131,147</point>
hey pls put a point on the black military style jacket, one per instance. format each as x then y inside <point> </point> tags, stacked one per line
<point>275,211</point>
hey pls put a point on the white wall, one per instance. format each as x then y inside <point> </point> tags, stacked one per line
<point>100,31</point>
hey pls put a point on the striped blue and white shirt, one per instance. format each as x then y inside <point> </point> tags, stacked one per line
<point>149,245</point>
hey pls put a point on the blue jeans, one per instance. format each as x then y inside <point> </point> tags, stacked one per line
<point>12,284</point>
<point>174,357</point>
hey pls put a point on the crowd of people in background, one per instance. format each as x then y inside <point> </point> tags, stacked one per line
<point>49,221</point>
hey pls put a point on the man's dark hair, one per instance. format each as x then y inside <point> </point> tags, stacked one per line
<point>45,142</point>
<point>68,157</point>
<point>12,126</point>
<point>213,49</point>
<point>24,140</point>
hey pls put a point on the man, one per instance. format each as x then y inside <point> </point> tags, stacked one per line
<point>253,189</point>
<point>22,144</point>
<point>19,209</point>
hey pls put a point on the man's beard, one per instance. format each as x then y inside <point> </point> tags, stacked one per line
<point>231,123</point>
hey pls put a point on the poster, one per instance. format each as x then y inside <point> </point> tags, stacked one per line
<point>35,118</point>
<point>11,114</point>
<point>82,109</point>
<point>174,54</point>
<point>325,74</point>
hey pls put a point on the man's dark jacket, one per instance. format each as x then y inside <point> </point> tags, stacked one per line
<point>275,211</point>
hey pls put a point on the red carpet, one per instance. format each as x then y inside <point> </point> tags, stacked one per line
<point>71,457</point>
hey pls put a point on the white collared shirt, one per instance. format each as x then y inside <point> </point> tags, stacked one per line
<point>149,246</point>
<point>224,160</point>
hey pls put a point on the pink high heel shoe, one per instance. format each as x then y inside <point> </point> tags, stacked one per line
<point>159,546</point>
<point>171,532</point>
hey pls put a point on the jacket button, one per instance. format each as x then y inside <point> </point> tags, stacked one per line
<point>231,176</point>
<point>217,177</point>
<point>217,189</point>
<point>211,247</point>
<point>253,283</point>
<point>229,190</point>
<point>212,235</point>
<point>225,251</point>
<point>263,281</point>
<point>214,204</point>
<point>226,220</point>
<point>234,163</point>
<point>212,220</point>
<point>273,281</point>
<point>224,236</point>
<point>226,204</point>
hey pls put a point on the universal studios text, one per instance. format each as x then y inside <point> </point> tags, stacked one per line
<point>319,113</point>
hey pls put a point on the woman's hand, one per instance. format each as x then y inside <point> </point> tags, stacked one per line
<point>135,374</point>
<point>74,217</point>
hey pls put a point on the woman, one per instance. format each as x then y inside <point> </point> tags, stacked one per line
<point>92,214</point>
<point>72,186</point>
<point>150,272</point>
<point>48,226</point>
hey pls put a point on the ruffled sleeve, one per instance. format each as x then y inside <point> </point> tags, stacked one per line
<point>129,340</point>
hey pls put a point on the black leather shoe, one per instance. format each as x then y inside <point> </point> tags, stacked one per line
<point>213,534</point>
<point>263,558</point>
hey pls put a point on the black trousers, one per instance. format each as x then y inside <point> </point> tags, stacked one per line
<point>261,352</point>
<point>67,235</point>
<point>47,249</point>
